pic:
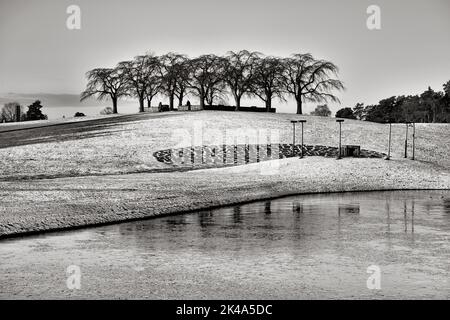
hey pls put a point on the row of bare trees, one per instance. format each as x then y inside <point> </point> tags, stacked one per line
<point>211,77</point>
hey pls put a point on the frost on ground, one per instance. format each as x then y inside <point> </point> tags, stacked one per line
<point>126,144</point>
<point>45,204</point>
<point>101,172</point>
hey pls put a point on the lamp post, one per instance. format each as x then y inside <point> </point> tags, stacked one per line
<point>302,122</point>
<point>414,141</point>
<point>389,148</point>
<point>293,135</point>
<point>340,138</point>
<point>406,140</point>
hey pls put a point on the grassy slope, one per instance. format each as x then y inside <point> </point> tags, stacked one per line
<point>125,147</point>
<point>67,202</point>
<point>41,123</point>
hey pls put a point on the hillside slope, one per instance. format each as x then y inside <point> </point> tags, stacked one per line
<point>126,144</point>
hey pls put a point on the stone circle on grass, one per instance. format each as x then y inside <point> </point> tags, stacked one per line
<point>226,155</point>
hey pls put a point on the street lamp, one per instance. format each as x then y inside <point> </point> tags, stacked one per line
<point>414,141</point>
<point>406,140</point>
<point>302,122</point>
<point>413,125</point>
<point>293,135</point>
<point>340,138</point>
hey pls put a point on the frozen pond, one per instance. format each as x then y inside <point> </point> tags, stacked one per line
<point>301,247</point>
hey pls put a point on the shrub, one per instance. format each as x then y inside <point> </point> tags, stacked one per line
<point>321,110</point>
<point>107,110</point>
<point>346,113</point>
<point>79,114</point>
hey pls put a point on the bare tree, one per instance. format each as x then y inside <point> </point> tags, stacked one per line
<point>105,83</point>
<point>154,79</point>
<point>239,72</point>
<point>9,112</point>
<point>138,74</point>
<point>218,90</point>
<point>205,77</point>
<point>182,69</point>
<point>268,80</point>
<point>132,72</point>
<point>170,72</point>
<point>153,88</point>
<point>308,79</point>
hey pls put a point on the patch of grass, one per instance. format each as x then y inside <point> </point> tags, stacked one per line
<point>118,146</point>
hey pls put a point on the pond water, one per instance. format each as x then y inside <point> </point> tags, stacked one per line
<point>326,246</point>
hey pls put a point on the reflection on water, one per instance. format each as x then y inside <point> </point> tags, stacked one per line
<point>313,246</point>
<point>348,209</point>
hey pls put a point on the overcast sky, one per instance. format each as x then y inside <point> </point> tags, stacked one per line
<point>410,52</point>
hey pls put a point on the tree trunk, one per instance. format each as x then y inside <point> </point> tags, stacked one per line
<point>299,106</point>
<point>114,101</point>
<point>268,105</point>
<point>141,104</point>
<point>238,102</point>
<point>202,96</point>
<point>434,113</point>
<point>171,98</point>
<point>209,99</point>
<point>202,102</point>
<point>149,103</point>
<point>180,99</point>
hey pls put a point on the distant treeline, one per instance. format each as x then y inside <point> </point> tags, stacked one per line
<point>14,112</point>
<point>430,106</point>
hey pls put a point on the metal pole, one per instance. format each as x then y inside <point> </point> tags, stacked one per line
<point>293,139</point>
<point>301,155</point>
<point>414,138</point>
<point>406,142</point>
<point>340,137</point>
<point>389,149</point>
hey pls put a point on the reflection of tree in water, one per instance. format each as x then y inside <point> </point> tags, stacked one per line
<point>237,217</point>
<point>267,209</point>
<point>204,218</point>
<point>352,209</point>
<point>388,221</point>
<point>297,207</point>
<point>297,210</point>
<point>345,210</point>
<point>207,230</point>
<point>177,222</point>
<point>405,215</point>
<point>432,203</point>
